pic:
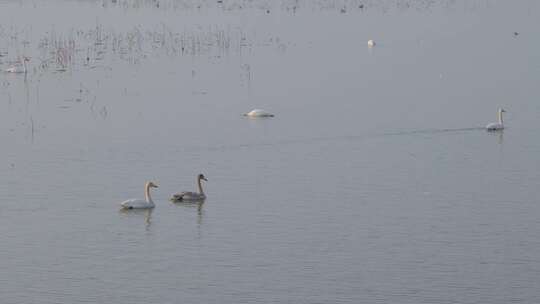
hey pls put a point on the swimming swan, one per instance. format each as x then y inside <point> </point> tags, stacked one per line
<point>191,196</point>
<point>370,43</point>
<point>135,203</point>
<point>258,113</point>
<point>17,68</point>
<point>497,126</point>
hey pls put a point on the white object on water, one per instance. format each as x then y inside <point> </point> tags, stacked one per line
<point>258,113</point>
<point>497,126</point>
<point>371,43</point>
<point>147,203</point>
<point>191,196</point>
<point>17,68</point>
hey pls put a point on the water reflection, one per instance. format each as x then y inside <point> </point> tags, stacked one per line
<point>500,137</point>
<point>147,213</point>
<point>193,205</point>
<point>200,213</point>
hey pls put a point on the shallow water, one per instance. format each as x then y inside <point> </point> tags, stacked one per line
<point>374,183</point>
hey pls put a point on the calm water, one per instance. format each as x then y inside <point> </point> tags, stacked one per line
<point>374,183</point>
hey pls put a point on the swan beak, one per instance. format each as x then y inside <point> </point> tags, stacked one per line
<point>155,186</point>
<point>204,178</point>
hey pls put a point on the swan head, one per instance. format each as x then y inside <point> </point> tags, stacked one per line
<point>201,176</point>
<point>151,185</point>
<point>501,110</point>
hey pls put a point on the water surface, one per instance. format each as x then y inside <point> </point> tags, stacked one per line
<point>374,183</point>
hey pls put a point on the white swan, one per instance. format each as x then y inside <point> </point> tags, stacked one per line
<point>371,43</point>
<point>258,113</point>
<point>17,68</point>
<point>497,126</point>
<point>191,196</point>
<point>135,203</point>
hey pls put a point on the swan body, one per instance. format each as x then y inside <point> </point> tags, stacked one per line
<point>258,113</point>
<point>191,196</point>
<point>494,126</point>
<point>371,43</point>
<point>18,69</point>
<point>497,126</point>
<point>146,203</point>
<point>15,69</point>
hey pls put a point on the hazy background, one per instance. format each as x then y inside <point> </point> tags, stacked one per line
<point>374,183</point>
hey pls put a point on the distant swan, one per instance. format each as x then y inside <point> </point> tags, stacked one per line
<point>497,126</point>
<point>258,113</point>
<point>371,43</point>
<point>18,68</point>
<point>191,196</point>
<point>147,203</point>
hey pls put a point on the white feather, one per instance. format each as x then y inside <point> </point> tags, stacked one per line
<point>497,126</point>
<point>136,203</point>
<point>258,113</point>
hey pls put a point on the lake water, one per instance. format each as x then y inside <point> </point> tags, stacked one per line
<point>374,183</point>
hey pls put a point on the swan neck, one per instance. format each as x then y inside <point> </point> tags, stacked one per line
<point>200,186</point>
<point>500,117</point>
<point>147,194</point>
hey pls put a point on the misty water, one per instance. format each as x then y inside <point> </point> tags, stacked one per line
<point>374,183</point>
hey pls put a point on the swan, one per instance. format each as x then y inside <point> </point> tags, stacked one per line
<point>17,68</point>
<point>497,126</point>
<point>371,43</point>
<point>191,196</point>
<point>135,203</point>
<point>258,113</point>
